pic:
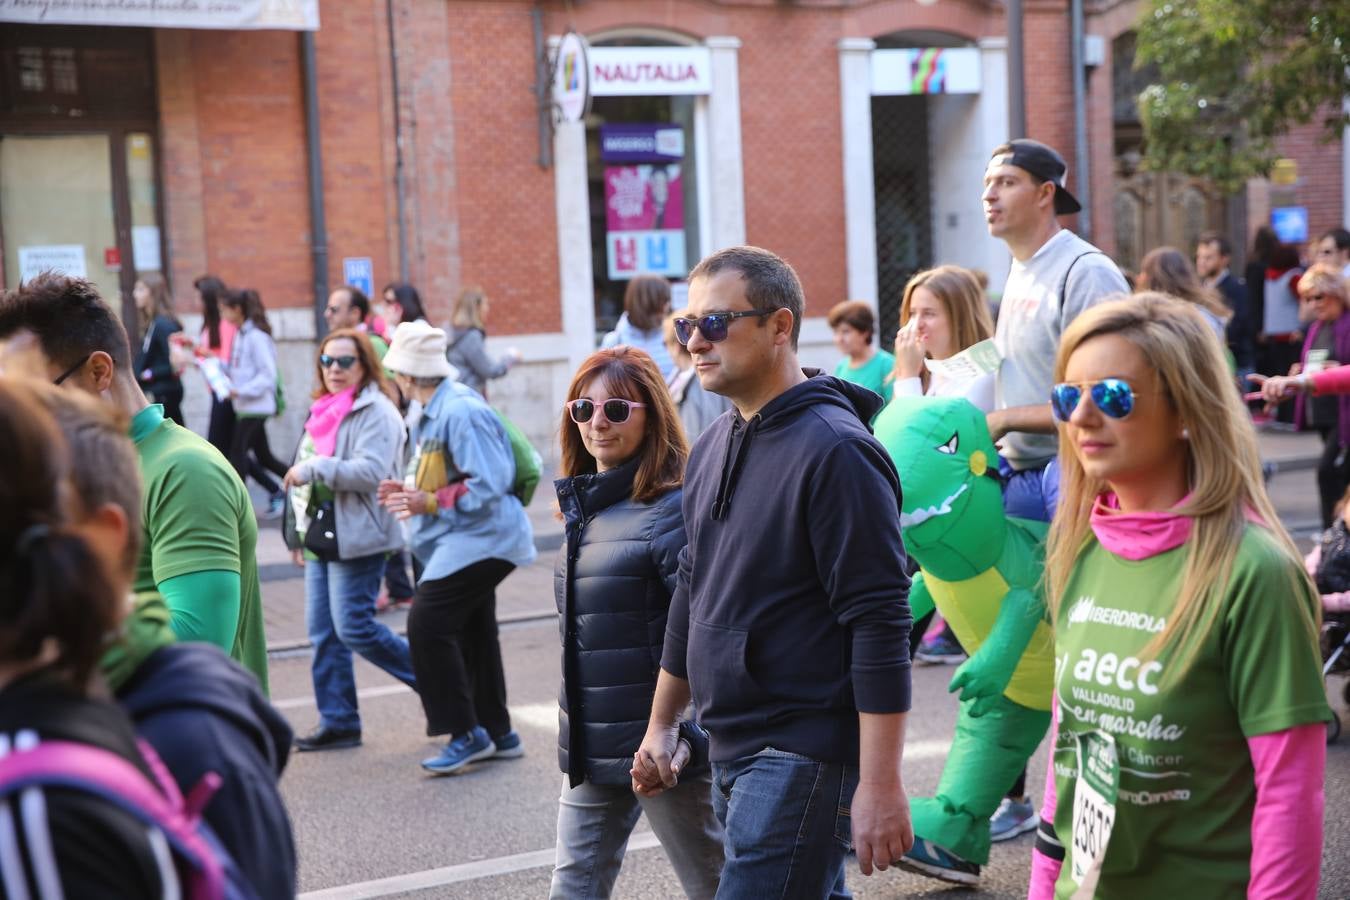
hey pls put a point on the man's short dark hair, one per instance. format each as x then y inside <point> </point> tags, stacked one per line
<point>68,318</point>
<point>770,282</point>
<point>1340,236</point>
<point>1213,237</point>
<point>357,299</point>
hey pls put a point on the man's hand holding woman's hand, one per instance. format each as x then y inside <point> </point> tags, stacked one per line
<point>658,762</point>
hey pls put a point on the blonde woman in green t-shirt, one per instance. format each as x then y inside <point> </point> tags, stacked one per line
<point>1190,745</point>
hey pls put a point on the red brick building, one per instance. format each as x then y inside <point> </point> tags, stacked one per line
<point>833,133</point>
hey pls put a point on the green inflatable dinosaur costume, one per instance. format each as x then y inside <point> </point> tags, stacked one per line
<point>983,572</point>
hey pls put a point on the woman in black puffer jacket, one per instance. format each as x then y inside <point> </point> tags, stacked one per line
<point>623,455</point>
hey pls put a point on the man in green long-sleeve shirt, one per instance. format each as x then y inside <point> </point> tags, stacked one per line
<point>200,536</point>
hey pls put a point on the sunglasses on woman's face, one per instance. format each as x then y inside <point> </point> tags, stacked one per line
<point>1113,396</point>
<point>615,410</point>
<point>713,326</point>
<point>343,362</point>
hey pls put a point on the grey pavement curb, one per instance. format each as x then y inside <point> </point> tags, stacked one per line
<point>285,571</point>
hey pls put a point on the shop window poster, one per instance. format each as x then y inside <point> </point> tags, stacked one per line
<point>644,201</point>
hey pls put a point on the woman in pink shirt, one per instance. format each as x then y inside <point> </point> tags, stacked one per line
<point>216,339</point>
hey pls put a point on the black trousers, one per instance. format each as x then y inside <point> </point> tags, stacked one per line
<point>1333,473</point>
<point>250,436</point>
<point>396,576</point>
<point>452,632</point>
<point>220,430</point>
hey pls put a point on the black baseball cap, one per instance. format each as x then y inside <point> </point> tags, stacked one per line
<point>1043,162</point>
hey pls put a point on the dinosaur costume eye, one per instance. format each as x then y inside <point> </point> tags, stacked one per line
<point>951,446</point>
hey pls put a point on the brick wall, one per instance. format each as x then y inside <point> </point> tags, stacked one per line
<point>793,151</point>
<point>1048,82</point>
<point>504,203</point>
<point>350,53</point>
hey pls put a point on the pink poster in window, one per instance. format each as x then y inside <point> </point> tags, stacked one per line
<point>644,198</point>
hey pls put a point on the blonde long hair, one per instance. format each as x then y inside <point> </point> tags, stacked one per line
<point>959,292</point>
<point>1224,466</point>
<point>469,309</point>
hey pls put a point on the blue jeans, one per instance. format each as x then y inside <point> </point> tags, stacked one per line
<point>787,825</point>
<point>340,617</point>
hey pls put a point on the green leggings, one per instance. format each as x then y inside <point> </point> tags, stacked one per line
<point>986,757</point>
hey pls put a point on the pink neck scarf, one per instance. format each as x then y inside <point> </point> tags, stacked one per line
<point>325,415</point>
<point>1136,536</point>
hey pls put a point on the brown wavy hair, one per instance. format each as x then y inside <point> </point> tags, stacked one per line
<point>370,361</point>
<point>630,373</point>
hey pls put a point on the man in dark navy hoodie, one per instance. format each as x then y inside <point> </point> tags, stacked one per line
<point>789,625</point>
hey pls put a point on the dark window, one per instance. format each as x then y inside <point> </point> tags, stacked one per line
<point>50,72</point>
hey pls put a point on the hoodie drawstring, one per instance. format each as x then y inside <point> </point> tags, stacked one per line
<point>731,468</point>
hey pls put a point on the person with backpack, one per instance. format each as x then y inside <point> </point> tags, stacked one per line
<point>200,534</point>
<point>469,531</point>
<point>353,440</point>
<point>58,607</point>
<point>203,714</point>
<point>254,389</point>
<point>466,338</point>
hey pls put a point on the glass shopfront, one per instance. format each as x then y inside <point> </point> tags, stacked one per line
<point>78,166</point>
<point>643,166</point>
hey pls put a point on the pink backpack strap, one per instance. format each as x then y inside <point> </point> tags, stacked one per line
<point>82,766</point>
<point>197,798</point>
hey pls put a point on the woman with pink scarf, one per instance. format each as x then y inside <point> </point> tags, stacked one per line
<point>354,438</point>
<point>1190,741</point>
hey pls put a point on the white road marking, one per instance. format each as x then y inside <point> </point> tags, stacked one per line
<point>306,701</point>
<point>483,868</point>
<point>542,716</point>
<point>535,717</point>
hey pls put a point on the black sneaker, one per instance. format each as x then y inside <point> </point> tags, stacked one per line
<point>328,739</point>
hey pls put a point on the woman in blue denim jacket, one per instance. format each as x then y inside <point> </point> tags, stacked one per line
<point>468,532</point>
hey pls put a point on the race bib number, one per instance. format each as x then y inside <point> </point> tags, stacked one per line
<point>1094,809</point>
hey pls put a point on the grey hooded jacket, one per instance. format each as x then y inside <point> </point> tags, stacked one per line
<point>369,448</point>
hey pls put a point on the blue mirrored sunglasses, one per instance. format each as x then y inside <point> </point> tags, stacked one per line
<point>1113,397</point>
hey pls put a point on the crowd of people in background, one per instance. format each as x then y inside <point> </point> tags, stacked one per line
<point>735,634</point>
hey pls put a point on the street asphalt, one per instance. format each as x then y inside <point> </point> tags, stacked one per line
<point>370,823</point>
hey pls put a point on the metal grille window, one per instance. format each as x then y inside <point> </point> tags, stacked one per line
<point>904,208</point>
<point>32,69</point>
<point>65,70</point>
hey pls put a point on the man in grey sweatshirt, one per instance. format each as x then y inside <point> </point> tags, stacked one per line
<point>1055,275</point>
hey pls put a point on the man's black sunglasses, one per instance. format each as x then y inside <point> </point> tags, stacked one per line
<point>73,369</point>
<point>713,326</point>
